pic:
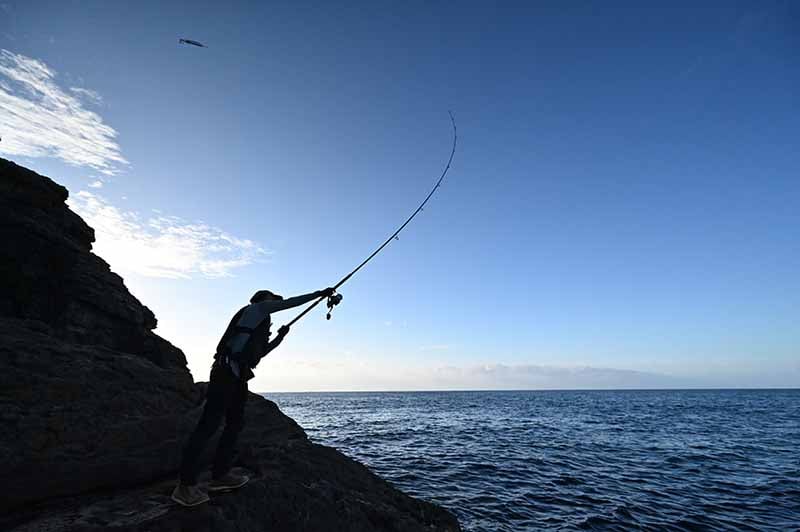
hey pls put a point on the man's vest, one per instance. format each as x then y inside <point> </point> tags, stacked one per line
<point>253,349</point>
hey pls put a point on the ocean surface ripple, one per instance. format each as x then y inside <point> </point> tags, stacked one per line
<point>576,460</point>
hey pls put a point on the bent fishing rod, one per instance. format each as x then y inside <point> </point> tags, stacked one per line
<point>335,299</point>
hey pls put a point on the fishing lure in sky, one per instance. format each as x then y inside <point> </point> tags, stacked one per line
<point>193,43</point>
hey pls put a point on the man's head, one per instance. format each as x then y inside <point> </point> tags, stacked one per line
<point>264,295</point>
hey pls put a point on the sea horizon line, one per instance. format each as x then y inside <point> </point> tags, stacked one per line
<point>504,390</point>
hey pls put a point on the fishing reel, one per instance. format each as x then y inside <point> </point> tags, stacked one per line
<point>333,300</point>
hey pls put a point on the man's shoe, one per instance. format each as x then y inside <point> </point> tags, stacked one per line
<point>188,495</point>
<point>230,481</point>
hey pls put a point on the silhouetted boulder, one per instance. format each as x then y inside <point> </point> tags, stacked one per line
<point>94,406</point>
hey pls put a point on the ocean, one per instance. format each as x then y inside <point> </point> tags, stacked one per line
<point>576,460</point>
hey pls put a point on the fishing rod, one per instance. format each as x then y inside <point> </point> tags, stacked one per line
<point>335,299</point>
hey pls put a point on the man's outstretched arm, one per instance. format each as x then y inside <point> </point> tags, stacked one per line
<point>268,307</point>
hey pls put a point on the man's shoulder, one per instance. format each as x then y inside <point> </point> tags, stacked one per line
<point>259,310</point>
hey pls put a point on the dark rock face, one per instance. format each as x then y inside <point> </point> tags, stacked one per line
<point>95,407</point>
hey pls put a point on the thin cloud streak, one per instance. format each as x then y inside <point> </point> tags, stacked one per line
<point>531,376</point>
<point>162,246</point>
<point>40,119</point>
<point>359,373</point>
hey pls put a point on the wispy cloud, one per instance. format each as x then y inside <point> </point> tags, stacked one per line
<point>88,95</point>
<point>530,376</point>
<point>96,184</point>
<point>162,246</point>
<point>301,372</point>
<point>40,119</point>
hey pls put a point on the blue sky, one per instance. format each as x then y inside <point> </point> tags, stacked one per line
<point>624,195</point>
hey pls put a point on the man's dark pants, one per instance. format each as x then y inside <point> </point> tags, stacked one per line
<point>225,397</point>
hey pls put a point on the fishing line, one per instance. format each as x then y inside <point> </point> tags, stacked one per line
<point>335,299</point>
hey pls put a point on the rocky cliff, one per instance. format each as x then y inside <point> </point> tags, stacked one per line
<point>94,406</point>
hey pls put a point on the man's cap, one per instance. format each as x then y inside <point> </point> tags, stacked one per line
<point>262,295</point>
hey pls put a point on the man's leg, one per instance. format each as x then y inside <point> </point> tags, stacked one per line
<point>234,421</point>
<point>218,398</point>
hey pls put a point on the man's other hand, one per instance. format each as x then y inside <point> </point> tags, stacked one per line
<point>283,331</point>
